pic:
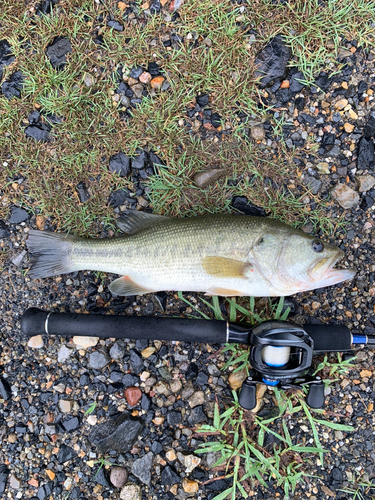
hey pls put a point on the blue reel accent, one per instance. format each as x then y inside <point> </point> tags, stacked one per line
<point>272,383</point>
<point>359,339</point>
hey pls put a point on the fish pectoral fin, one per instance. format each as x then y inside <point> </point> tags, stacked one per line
<point>132,221</point>
<point>126,286</point>
<point>221,267</point>
<point>216,290</point>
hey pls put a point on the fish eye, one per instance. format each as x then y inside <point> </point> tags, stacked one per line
<point>317,246</point>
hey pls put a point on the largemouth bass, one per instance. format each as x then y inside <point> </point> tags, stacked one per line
<point>216,254</point>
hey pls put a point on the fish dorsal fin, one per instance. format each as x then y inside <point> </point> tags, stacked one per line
<point>221,267</point>
<point>126,286</point>
<point>132,221</point>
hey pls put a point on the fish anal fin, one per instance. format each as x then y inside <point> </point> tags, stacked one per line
<point>216,290</point>
<point>132,221</point>
<point>221,267</point>
<point>126,286</point>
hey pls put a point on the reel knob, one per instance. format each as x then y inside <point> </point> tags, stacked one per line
<point>315,396</point>
<point>247,397</point>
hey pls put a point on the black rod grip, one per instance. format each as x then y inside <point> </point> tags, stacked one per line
<point>330,337</point>
<point>35,322</point>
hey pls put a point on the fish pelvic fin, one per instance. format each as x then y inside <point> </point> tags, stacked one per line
<point>126,286</point>
<point>50,253</point>
<point>132,222</point>
<point>221,267</point>
<point>223,292</point>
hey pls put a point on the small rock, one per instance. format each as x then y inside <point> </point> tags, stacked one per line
<point>131,492</point>
<point>341,104</point>
<point>4,471</point>
<point>365,154</point>
<point>138,90</point>
<point>207,177</point>
<point>242,204</point>
<point>118,434</point>
<point>133,395</point>
<point>257,133</point>
<point>202,100</point>
<point>36,342</point>
<point>57,52</point>
<point>175,386</point>
<point>83,193</point>
<point>18,215</point>
<point>85,342</point>
<point>15,483</point>
<point>4,231</point>
<point>171,455</point>
<point>17,259</point>
<point>369,130</point>
<point>13,86</point>
<point>348,127</point>
<point>365,182</point>
<point>190,486</point>
<point>169,476</point>
<point>65,405</point>
<point>118,476</point>
<point>352,114</point>
<point>118,350</point>
<point>139,161</point>
<point>63,354</point>
<point>145,77</point>
<point>39,133</point>
<point>142,468</point>
<point>98,360</point>
<point>345,196</point>
<point>236,379</point>
<point>89,80</point>
<point>323,167</point>
<point>157,82</point>
<point>146,353</point>
<point>120,164</point>
<point>65,453</point>
<point>271,62</point>
<point>116,25</point>
<point>5,390</point>
<point>190,462</point>
<point>196,399</point>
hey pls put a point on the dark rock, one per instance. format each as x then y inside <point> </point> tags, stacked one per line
<point>135,73</point>
<point>219,485</point>
<point>153,69</point>
<point>362,87</point>
<point>328,139</point>
<point>271,61</point>
<point>299,103</point>
<point>145,402</point>
<point>83,193</point>
<point>156,447</point>
<point>216,120</point>
<point>154,160</point>
<point>142,468</point>
<point>365,154</point>
<point>169,476</point>
<point>71,424</point>
<point>18,215</point>
<point>174,418</point>
<point>242,204</point>
<point>283,95</point>
<point>13,86</point>
<point>136,361</point>
<point>139,161</point>
<point>191,372</point>
<point>116,25</point>
<point>308,119</point>
<point>57,51</point>
<point>202,379</point>
<point>101,478</point>
<point>65,453</point>
<point>155,7</point>
<point>4,473</point>
<point>202,100</point>
<point>367,202</point>
<point>34,117</point>
<point>45,7</point>
<point>84,379</point>
<point>197,416</point>
<point>336,475</point>
<point>120,164</point>
<point>323,81</point>
<point>4,231</point>
<point>369,130</point>
<point>45,491</point>
<point>118,197</point>
<point>129,380</point>
<point>38,132</point>
<point>294,84</point>
<point>118,350</point>
<point>6,56</point>
<point>118,434</point>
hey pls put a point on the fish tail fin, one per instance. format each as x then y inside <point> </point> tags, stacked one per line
<point>51,254</point>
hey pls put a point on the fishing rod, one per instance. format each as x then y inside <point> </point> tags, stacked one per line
<point>280,352</point>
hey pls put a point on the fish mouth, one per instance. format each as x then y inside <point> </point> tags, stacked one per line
<point>324,273</point>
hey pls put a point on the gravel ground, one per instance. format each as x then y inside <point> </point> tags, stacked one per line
<point>51,444</point>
